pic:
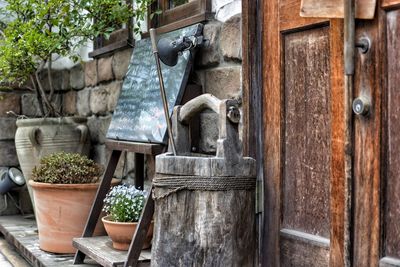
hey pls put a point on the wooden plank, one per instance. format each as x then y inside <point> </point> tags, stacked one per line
<point>106,50</point>
<point>22,233</point>
<point>391,195</point>
<point>98,203</point>
<point>143,148</point>
<point>307,139</point>
<point>390,3</point>
<point>194,11</point>
<point>11,255</point>
<point>246,72</point>
<point>252,102</point>
<point>337,187</point>
<point>135,248</point>
<point>100,249</point>
<point>251,65</point>
<point>365,9</point>
<point>367,149</point>
<point>290,20</point>
<point>181,23</point>
<point>139,171</point>
<point>299,249</point>
<point>180,12</point>
<point>272,100</point>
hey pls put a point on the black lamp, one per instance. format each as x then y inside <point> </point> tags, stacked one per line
<point>10,179</point>
<point>169,50</point>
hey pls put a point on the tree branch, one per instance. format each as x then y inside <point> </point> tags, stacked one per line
<point>38,97</point>
<point>51,111</point>
<point>50,78</point>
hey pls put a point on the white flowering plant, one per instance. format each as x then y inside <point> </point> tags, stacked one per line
<point>124,203</point>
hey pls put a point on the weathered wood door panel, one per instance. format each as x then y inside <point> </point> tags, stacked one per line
<point>305,222</point>
<point>301,78</point>
<point>390,252</point>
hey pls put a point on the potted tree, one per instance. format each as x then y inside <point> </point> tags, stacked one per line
<point>123,206</point>
<point>39,32</point>
<point>64,187</point>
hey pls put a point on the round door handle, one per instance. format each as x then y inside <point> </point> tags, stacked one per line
<point>361,106</point>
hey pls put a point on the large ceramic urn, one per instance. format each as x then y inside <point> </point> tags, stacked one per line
<point>36,138</point>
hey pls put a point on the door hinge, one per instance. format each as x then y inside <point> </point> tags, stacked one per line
<point>259,197</point>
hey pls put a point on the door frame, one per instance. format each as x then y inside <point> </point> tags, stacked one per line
<point>252,18</point>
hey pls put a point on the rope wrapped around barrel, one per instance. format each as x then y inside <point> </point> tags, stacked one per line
<point>201,183</point>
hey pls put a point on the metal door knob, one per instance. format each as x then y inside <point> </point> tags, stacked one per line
<point>361,106</point>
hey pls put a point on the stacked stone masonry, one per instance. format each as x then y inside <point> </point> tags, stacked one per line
<point>10,104</point>
<point>92,89</point>
<point>219,70</point>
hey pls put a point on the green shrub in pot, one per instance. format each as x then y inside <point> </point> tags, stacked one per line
<point>64,187</point>
<point>67,168</point>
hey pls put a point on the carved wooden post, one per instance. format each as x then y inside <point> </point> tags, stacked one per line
<point>205,206</point>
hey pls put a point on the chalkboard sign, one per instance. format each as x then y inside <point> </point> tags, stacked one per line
<point>139,115</point>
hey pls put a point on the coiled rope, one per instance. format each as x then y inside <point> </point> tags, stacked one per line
<point>174,184</point>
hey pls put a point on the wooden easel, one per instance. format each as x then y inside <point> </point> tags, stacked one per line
<point>117,148</point>
<point>94,246</point>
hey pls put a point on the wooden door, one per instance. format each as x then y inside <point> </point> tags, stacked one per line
<point>375,226</point>
<point>302,79</point>
<point>305,223</point>
<point>387,186</point>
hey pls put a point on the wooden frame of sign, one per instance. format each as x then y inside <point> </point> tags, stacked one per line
<point>138,126</point>
<point>98,248</point>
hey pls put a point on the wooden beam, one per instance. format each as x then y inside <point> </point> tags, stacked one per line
<point>365,9</point>
<point>143,148</point>
<point>272,100</point>
<point>337,182</point>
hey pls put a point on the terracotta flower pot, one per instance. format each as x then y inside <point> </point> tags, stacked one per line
<point>121,233</point>
<point>61,213</point>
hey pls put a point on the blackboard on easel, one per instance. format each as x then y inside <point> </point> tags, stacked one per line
<point>138,125</point>
<point>139,115</point>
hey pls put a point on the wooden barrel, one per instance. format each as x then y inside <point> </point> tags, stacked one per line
<point>205,206</point>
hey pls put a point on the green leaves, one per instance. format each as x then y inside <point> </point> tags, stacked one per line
<point>42,28</point>
<point>66,168</point>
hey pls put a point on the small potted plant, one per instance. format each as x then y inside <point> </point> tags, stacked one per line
<point>123,206</point>
<point>64,187</point>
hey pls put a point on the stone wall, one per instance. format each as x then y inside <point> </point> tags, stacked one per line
<point>10,104</point>
<point>92,89</point>
<point>218,69</point>
<point>225,9</point>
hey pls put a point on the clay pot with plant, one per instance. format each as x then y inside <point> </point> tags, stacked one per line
<point>123,206</point>
<point>37,33</point>
<point>64,187</point>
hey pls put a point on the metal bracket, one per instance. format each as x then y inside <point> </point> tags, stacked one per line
<point>259,197</point>
<point>361,106</point>
<point>363,44</point>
